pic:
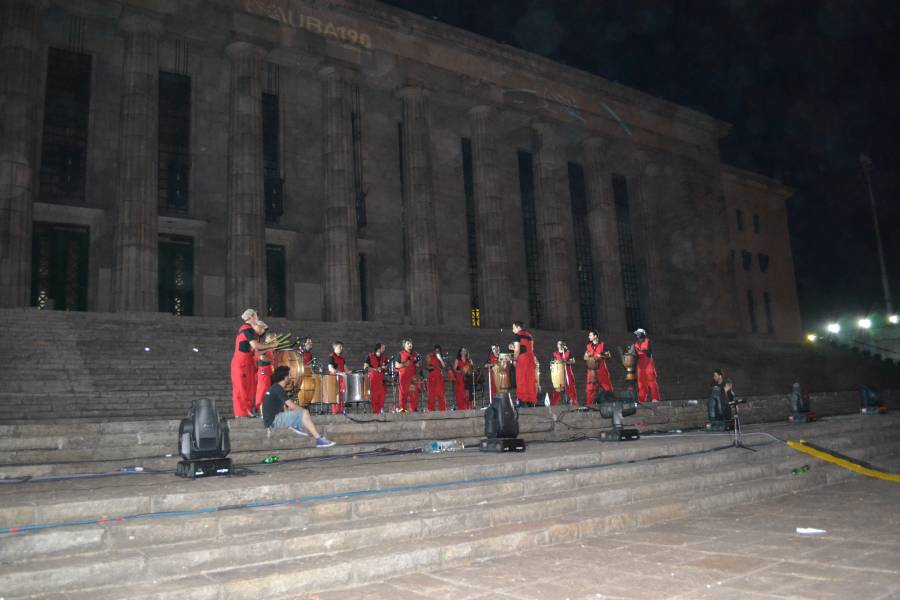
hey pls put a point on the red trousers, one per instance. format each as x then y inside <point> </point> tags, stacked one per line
<point>409,399</point>
<point>570,390</point>
<point>376,391</point>
<point>646,376</point>
<point>338,408</point>
<point>243,383</point>
<point>263,383</point>
<point>526,386</point>
<point>436,392</point>
<point>463,400</point>
<point>598,380</point>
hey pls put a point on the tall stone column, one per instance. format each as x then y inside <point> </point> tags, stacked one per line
<point>647,189</point>
<point>20,49</point>
<point>425,305</point>
<point>493,277</point>
<point>341,255</point>
<point>136,236</point>
<point>246,234</point>
<point>604,230</point>
<point>554,237</point>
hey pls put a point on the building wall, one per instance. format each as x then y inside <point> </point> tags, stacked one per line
<point>668,153</point>
<point>754,196</point>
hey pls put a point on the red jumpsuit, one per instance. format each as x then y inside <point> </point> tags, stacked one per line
<point>597,379</point>
<point>462,384</point>
<point>526,386</point>
<point>376,381</point>
<point>646,372</point>
<point>337,363</point>
<point>435,383</point>
<point>243,372</point>
<point>265,368</point>
<point>307,358</point>
<point>570,380</point>
<point>409,398</point>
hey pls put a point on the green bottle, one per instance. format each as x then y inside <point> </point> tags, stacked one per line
<point>270,459</point>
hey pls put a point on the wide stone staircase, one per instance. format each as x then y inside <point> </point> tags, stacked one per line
<point>290,530</point>
<point>66,366</point>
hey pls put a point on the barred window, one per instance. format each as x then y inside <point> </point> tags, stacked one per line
<point>358,184</point>
<point>630,284</point>
<point>747,259</point>
<point>583,260</point>
<point>176,275</point>
<point>174,141</point>
<point>529,224</point>
<point>471,234</point>
<point>65,132</point>
<point>751,309</point>
<point>756,224</point>
<point>739,215</point>
<point>770,324</point>
<point>763,262</point>
<point>274,184</point>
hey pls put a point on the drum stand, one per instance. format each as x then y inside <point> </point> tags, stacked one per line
<point>737,434</point>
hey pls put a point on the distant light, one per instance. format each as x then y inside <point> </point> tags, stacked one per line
<point>864,323</point>
<point>894,319</point>
<point>196,349</point>
<point>146,349</point>
<point>811,337</point>
<point>833,328</point>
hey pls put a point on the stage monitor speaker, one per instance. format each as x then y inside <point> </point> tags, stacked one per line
<point>501,419</point>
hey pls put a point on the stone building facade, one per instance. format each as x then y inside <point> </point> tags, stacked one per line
<point>345,160</point>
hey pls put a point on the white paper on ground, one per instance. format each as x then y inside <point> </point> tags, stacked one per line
<point>810,531</point>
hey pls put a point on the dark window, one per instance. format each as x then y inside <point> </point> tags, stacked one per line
<point>469,187</point>
<point>274,184</point>
<point>739,214</point>
<point>770,325</point>
<point>763,262</point>
<point>630,285</point>
<point>276,301</point>
<point>405,236</point>
<point>174,140</point>
<point>751,310</point>
<point>65,134</point>
<point>358,184</point>
<point>746,259</point>
<point>756,226</point>
<point>529,223</point>
<point>363,288</point>
<point>583,261</point>
<point>59,266</point>
<point>176,275</point>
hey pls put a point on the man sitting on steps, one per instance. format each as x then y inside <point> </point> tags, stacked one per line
<point>280,412</point>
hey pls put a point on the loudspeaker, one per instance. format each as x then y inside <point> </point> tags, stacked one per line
<point>501,419</point>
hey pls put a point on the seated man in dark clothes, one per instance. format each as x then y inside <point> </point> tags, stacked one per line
<point>280,412</point>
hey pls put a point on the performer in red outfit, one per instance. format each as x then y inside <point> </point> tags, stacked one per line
<point>463,371</point>
<point>597,378</point>
<point>337,367</point>
<point>376,362</point>
<point>306,351</point>
<point>523,350</point>
<point>264,368</point>
<point>435,366</point>
<point>243,364</point>
<point>406,364</point>
<point>565,355</point>
<point>646,369</point>
<point>493,357</point>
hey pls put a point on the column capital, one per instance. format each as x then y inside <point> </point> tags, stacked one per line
<point>481,111</point>
<point>413,91</point>
<point>595,143</point>
<point>341,72</point>
<point>141,24</point>
<point>241,50</point>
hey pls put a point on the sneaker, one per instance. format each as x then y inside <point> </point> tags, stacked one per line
<point>323,442</point>
<point>299,431</point>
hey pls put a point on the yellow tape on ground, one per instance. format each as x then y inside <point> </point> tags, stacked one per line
<point>868,472</point>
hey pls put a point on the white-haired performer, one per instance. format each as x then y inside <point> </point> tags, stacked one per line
<point>646,369</point>
<point>243,364</point>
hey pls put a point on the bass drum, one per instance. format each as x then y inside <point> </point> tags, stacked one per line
<point>310,391</point>
<point>294,362</point>
<point>558,375</point>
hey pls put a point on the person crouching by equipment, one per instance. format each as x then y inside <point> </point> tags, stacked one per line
<point>463,386</point>
<point>718,405</point>
<point>564,356</point>
<point>279,412</point>
<point>243,364</point>
<point>435,367</point>
<point>375,364</point>
<point>337,367</point>
<point>265,365</point>
<point>646,368</point>
<point>406,364</point>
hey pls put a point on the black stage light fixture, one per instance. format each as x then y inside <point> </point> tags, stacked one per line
<point>800,411</point>
<point>871,403</point>
<point>616,407</point>
<point>501,426</point>
<point>203,442</point>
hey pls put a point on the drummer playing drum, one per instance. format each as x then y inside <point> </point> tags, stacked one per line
<point>595,356</point>
<point>337,367</point>
<point>564,355</point>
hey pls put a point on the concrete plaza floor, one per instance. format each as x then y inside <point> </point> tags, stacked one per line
<point>753,552</point>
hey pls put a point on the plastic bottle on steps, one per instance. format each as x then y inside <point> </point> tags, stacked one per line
<point>443,446</point>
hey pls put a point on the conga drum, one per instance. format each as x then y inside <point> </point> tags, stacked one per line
<point>330,388</point>
<point>593,364</point>
<point>500,373</point>
<point>558,375</point>
<point>629,361</point>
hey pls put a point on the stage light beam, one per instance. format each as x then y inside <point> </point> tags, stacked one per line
<point>864,323</point>
<point>811,337</point>
<point>834,328</point>
<point>893,319</point>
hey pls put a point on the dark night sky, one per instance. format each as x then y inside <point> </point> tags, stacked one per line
<point>808,86</point>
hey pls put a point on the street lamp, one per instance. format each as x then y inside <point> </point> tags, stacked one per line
<point>866,163</point>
